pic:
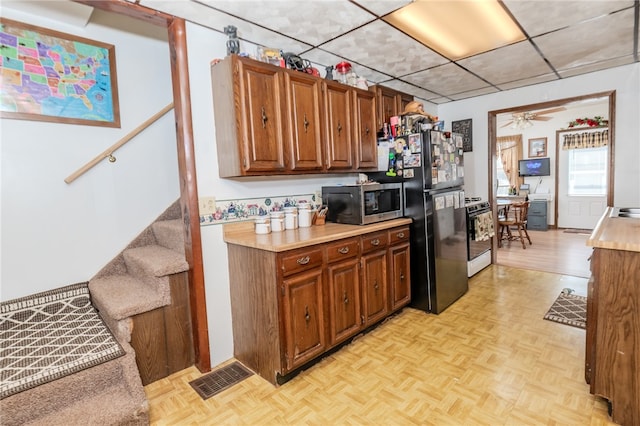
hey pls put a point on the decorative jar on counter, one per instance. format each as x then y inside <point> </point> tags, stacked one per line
<point>291,217</point>
<point>277,221</point>
<point>263,225</point>
<point>305,214</point>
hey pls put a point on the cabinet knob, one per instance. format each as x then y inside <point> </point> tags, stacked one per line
<point>375,285</point>
<point>402,275</point>
<point>306,123</point>
<point>307,317</point>
<point>264,118</point>
<point>345,298</point>
<point>400,234</point>
<point>367,130</point>
<point>375,242</point>
<point>344,250</point>
<point>303,260</point>
<point>339,127</point>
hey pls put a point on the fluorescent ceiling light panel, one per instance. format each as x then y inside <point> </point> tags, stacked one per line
<point>457,29</point>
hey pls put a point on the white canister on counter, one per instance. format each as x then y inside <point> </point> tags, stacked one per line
<point>277,221</point>
<point>263,225</point>
<point>291,217</point>
<point>305,214</point>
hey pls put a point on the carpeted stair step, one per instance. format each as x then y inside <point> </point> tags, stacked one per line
<point>118,297</point>
<point>152,264</point>
<point>170,234</point>
<point>108,393</point>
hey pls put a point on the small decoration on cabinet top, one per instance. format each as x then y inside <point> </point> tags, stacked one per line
<point>233,44</point>
<point>589,122</point>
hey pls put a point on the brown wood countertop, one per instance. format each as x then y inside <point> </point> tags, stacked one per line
<point>616,233</point>
<point>242,233</point>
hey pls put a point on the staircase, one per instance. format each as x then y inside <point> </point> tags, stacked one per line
<point>137,281</point>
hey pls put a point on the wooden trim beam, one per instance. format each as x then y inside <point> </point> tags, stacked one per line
<point>186,162</point>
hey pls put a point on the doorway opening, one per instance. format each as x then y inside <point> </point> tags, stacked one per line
<point>497,180</point>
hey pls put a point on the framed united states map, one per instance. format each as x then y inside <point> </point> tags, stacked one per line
<point>47,75</point>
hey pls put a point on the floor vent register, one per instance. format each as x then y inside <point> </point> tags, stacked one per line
<point>220,379</point>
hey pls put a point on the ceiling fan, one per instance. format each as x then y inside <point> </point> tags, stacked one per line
<point>522,120</point>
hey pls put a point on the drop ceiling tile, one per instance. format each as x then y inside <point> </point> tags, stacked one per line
<point>446,80</point>
<point>527,81</point>
<point>592,41</point>
<point>382,7</point>
<point>472,93</point>
<point>441,100</point>
<point>509,63</point>
<point>381,47</point>
<point>320,56</point>
<point>210,18</point>
<point>312,22</point>
<point>537,17</point>
<point>597,66</point>
<point>405,87</point>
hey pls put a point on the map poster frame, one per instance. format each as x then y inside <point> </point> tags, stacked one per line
<point>89,96</point>
<point>464,127</point>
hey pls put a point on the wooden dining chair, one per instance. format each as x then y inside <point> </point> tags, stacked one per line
<point>515,219</point>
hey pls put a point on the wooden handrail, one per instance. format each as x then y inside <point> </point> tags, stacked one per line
<point>108,153</point>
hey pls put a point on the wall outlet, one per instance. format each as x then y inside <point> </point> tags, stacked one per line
<point>207,205</point>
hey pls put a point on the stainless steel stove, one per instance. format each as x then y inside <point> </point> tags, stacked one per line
<point>478,248</point>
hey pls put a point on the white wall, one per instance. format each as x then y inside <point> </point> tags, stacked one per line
<point>55,234</point>
<point>624,80</point>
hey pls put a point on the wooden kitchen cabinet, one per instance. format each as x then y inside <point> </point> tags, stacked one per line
<point>249,104</point>
<point>612,355</point>
<point>275,121</point>
<point>366,145</point>
<point>303,317</point>
<point>400,267</point>
<point>390,103</point>
<point>291,306</point>
<point>304,107</point>
<point>343,278</point>
<point>339,133</point>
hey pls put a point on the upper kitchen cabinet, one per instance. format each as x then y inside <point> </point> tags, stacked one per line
<point>249,106</point>
<point>365,122</point>
<point>338,111</point>
<point>304,97</point>
<point>274,121</point>
<point>390,103</point>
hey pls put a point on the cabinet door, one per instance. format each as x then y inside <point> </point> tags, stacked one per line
<point>344,300</point>
<point>305,131</point>
<point>261,115</point>
<point>304,334</point>
<point>338,112</point>
<point>400,275</point>
<point>365,140</point>
<point>404,100</point>
<point>374,286</point>
<point>388,105</point>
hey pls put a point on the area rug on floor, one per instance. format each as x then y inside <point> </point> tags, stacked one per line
<point>570,309</point>
<point>50,335</point>
<point>578,231</point>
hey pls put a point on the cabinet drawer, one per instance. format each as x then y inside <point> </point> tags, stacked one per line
<point>398,235</point>
<point>343,249</point>
<point>374,241</point>
<point>300,260</point>
<point>537,222</point>
<point>538,208</point>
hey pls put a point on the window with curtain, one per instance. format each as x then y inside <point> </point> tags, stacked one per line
<point>509,153</point>
<point>587,157</point>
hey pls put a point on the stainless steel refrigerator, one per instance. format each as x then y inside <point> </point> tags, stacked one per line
<point>430,166</point>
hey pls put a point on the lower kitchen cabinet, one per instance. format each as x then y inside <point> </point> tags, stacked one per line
<point>289,307</point>
<point>400,266</point>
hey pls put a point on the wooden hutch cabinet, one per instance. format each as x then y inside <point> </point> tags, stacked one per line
<point>291,306</point>
<point>273,121</point>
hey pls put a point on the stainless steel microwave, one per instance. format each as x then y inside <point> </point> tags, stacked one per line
<point>363,204</point>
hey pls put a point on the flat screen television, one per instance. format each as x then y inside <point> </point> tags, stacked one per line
<point>534,167</point>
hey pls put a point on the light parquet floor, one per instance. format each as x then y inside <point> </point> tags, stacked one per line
<point>551,251</point>
<point>489,359</point>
